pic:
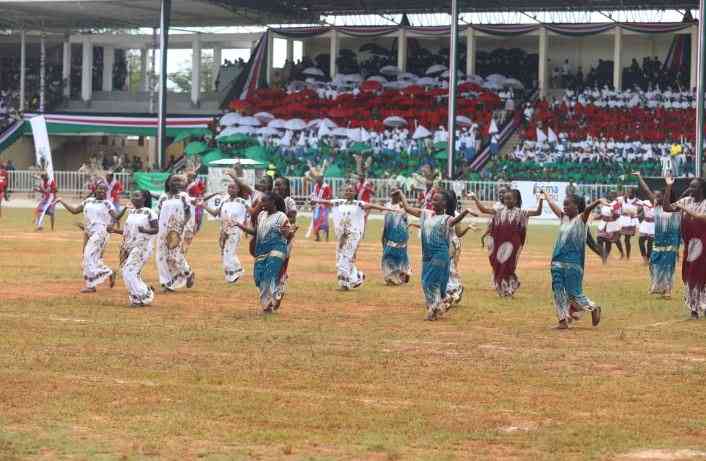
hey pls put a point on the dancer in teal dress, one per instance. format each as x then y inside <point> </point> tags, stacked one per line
<point>665,250</point>
<point>437,225</point>
<point>568,260</point>
<point>395,234</point>
<point>272,234</point>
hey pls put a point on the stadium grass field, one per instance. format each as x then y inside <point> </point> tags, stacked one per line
<point>357,375</point>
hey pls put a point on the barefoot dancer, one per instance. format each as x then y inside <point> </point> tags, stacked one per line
<point>174,211</point>
<point>395,235</point>
<point>568,260</point>
<point>628,221</point>
<point>138,234</point>
<point>47,187</point>
<point>609,227</point>
<point>349,225</point>
<point>667,239</point>
<point>99,214</point>
<point>233,210</point>
<point>272,234</point>
<point>508,234</point>
<point>436,225</point>
<point>454,289</point>
<point>282,188</point>
<point>693,231</point>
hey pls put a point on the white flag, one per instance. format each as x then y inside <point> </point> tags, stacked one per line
<point>42,148</point>
<point>552,136</point>
<point>541,137</point>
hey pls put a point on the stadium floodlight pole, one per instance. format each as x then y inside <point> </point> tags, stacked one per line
<point>163,49</point>
<point>699,148</point>
<point>453,61</point>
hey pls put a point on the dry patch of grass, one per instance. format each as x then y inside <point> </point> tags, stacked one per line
<point>358,375</point>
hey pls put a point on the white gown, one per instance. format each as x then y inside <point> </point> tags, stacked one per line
<point>231,212</point>
<point>174,213</point>
<point>136,249</point>
<point>349,225</point>
<point>97,219</point>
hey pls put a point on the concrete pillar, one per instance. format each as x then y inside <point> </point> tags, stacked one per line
<point>543,61</point>
<point>42,72</point>
<point>144,78</point>
<point>333,52</point>
<point>402,49</point>
<point>196,70</point>
<point>290,50</point>
<point>23,68</point>
<point>618,59</point>
<point>87,70</point>
<point>108,64</point>
<point>270,45</point>
<point>694,56</point>
<point>217,59</point>
<point>470,51</point>
<point>66,68</point>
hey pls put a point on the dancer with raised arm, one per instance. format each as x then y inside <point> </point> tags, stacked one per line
<point>693,232</point>
<point>232,211</point>
<point>99,214</point>
<point>272,234</point>
<point>349,225</point>
<point>437,225</point>
<point>138,233</point>
<point>174,209</point>
<point>395,235</point>
<point>508,232</point>
<point>568,259</point>
<point>45,207</point>
<point>664,253</point>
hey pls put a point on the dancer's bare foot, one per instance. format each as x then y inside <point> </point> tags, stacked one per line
<point>563,325</point>
<point>596,316</point>
<point>111,280</point>
<point>87,290</point>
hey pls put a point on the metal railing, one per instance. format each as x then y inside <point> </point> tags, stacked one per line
<point>67,182</point>
<point>74,182</point>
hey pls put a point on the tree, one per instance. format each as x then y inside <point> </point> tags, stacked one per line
<point>182,78</point>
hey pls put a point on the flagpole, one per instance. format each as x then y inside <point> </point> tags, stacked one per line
<point>453,58</point>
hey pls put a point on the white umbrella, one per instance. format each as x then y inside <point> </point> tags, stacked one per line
<point>496,77</point>
<point>394,121</point>
<point>407,76</point>
<point>421,133</point>
<point>276,123</point>
<point>314,123</point>
<point>427,81</point>
<point>227,132</point>
<point>377,78</point>
<point>324,130</point>
<point>513,83</point>
<point>340,132</point>
<point>268,131</point>
<point>355,135</point>
<point>398,85</point>
<point>353,78</point>
<point>329,123</point>
<point>475,79</point>
<point>492,85</point>
<point>295,124</point>
<point>436,69</point>
<point>390,70</point>
<point>463,120</point>
<point>364,135</point>
<point>264,117</point>
<point>296,85</point>
<point>248,121</point>
<point>244,130</point>
<point>445,74</point>
<point>229,119</point>
<point>313,71</point>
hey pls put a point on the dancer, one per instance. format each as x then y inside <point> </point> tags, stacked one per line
<point>138,234</point>
<point>628,221</point>
<point>196,189</point>
<point>349,224</point>
<point>454,288</point>
<point>233,210</point>
<point>568,260</point>
<point>647,224</point>
<point>99,214</point>
<point>693,231</point>
<point>272,234</point>
<point>395,234</point>
<point>666,229</point>
<point>437,225</point>
<point>174,209</point>
<point>47,187</point>
<point>282,188</point>
<point>508,233</point>
<point>322,192</point>
<point>609,227</point>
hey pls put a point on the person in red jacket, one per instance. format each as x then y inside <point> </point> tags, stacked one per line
<point>47,187</point>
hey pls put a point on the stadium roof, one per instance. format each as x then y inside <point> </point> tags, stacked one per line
<point>92,14</point>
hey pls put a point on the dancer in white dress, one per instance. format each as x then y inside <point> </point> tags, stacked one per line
<point>628,220</point>
<point>99,214</point>
<point>138,241</point>
<point>174,211</point>
<point>232,211</point>
<point>349,225</point>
